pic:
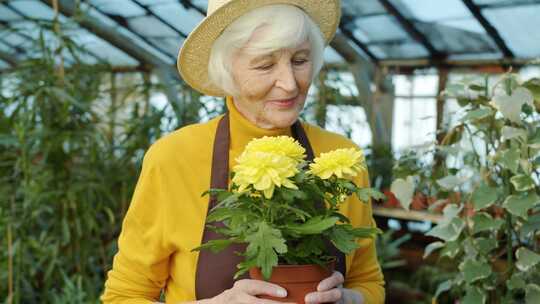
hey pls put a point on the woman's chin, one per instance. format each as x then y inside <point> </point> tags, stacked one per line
<point>284,121</point>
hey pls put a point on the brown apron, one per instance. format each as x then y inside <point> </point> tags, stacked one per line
<point>215,271</point>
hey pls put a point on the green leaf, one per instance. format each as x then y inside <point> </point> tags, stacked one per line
<point>522,182</point>
<point>516,282</point>
<point>510,105</point>
<point>531,225</point>
<point>474,270</point>
<point>403,190</point>
<point>432,247</point>
<point>342,239</point>
<point>443,287</point>
<point>509,159</point>
<point>264,245</point>
<point>483,221</point>
<point>477,114</point>
<point>365,194</point>
<point>448,231</point>
<point>526,259</point>
<point>214,245</point>
<point>451,249</point>
<point>533,85</point>
<point>519,205</point>
<point>474,295</point>
<point>532,294</point>
<point>485,245</point>
<point>449,182</point>
<point>220,214</point>
<point>511,132</point>
<point>484,196</point>
<point>314,225</point>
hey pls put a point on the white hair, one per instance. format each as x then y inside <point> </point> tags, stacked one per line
<point>286,26</point>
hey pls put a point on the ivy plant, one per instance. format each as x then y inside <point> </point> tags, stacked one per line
<point>485,175</point>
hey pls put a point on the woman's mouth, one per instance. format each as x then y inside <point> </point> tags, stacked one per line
<point>284,103</point>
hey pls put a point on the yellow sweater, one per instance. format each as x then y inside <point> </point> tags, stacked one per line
<point>167,214</point>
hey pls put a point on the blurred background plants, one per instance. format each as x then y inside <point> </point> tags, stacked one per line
<point>72,138</point>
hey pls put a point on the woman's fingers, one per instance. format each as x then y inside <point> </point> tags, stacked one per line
<point>329,296</point>
<point>332,281</point>
<point>256,287</point>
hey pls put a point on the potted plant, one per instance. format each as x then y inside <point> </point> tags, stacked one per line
<point>489,164</point>
<point>271,207</point>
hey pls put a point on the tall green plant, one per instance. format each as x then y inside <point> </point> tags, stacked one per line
<point>71,145</point>
<point>486,170</point>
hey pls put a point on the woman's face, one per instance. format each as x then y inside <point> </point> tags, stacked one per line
<point>272,88</point>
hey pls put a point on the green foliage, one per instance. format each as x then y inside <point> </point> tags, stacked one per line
<point>289,227</point>
<point>72,139</point>
<point>487,164</point>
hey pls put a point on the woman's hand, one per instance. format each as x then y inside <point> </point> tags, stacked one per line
<point>329,290</point>
<point>245,291</point>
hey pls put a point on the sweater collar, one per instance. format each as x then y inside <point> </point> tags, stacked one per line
<point>243,130</point>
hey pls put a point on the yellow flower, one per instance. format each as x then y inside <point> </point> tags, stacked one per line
<point>345,163</point>
<point>264,171</point>
<point>282,145</point>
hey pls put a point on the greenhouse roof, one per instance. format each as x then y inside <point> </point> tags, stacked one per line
<point>133,34</point>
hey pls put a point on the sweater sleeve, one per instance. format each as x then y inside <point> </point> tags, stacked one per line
<point>364,274</point>
<point>141,266</point>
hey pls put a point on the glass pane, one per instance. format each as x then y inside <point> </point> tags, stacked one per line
<point>154,2</point>
<point>331,56</point>
<point>379,28</point>
<point>182,19</point>
<point>4,65</point>
<point>34,9</point>
<point>399,50</point>
<point>124,8</point>
<point>512,22</point>
<point>430,11</point>
<point>150,26</point>
<point>171,45</point>
<point>453,40</point>
<point>504,2</point>
<point>364,7</point>
<point>202,4</point>
<point>102,48</point>
<point>8,15</point>
<point>414,122</point>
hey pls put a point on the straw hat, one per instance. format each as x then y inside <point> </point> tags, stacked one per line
<point>193,58</point>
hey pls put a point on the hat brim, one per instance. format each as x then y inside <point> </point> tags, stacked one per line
<point>194,56</point>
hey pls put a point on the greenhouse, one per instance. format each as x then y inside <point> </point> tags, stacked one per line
<point>189,151</point>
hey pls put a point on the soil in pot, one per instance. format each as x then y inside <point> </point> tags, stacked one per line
<point>298,280</point>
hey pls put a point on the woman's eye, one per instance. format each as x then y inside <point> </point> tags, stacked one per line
<point>299,61</point>
<point>265,67</point>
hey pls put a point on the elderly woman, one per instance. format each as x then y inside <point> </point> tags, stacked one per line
<point>262,55</point>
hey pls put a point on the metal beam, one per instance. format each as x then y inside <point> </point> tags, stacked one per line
<point>489,28</point>
<point>409,27</point>
<point>425,63</point>
<point>359,44</point>
<point>111,35</point>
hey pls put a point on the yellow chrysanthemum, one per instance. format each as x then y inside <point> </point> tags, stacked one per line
<point>345,163</point>
<point>283,145</point>
<point>264,171</point>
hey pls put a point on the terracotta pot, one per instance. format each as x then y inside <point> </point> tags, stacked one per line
<point>298,280</point>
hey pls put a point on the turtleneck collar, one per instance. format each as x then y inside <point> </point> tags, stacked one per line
<point>243,130</point>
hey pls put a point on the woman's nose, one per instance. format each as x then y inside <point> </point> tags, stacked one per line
<point>285,78</point>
